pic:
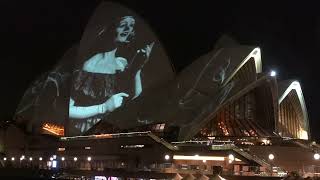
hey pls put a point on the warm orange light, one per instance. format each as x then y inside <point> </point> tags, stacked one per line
<point>103,136</point>
<point>61,149</point>
<point>53,129</point>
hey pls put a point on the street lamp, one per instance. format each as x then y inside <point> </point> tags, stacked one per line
<point>271,157</point>
<point>273,73</point>
<point>316,156</point>
<point>231,158</point>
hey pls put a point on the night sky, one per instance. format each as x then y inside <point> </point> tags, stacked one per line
<point>35,34</point>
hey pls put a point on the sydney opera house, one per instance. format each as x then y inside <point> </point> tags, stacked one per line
<point>115,106</point>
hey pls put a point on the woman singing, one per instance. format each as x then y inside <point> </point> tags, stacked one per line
<point>107,79</point>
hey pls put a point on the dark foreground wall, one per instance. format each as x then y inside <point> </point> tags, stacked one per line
<point>250,178</point>
<point>23,173</point>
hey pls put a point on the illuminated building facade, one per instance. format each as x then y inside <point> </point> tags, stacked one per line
<point>293,117</point>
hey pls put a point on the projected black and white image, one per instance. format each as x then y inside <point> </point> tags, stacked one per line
<point>107,80</point>
<point>118,62</point>
<point>45,101</point>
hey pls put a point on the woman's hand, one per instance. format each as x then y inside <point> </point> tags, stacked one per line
<point>147,50</point>
<point>114,102</point>
<point>80,112</point>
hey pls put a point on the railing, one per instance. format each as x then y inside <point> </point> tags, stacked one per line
<point>106,136</point>
<point>160,140</point>
<point>251,157</point>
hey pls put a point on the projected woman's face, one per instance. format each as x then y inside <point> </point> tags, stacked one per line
<point>125,29</point>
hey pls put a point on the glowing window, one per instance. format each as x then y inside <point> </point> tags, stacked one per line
<point>53,129</point>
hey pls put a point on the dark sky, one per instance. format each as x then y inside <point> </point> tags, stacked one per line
<point>35,34</point>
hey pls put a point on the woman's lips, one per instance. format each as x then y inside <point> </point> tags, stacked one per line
<point>124,34</point>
